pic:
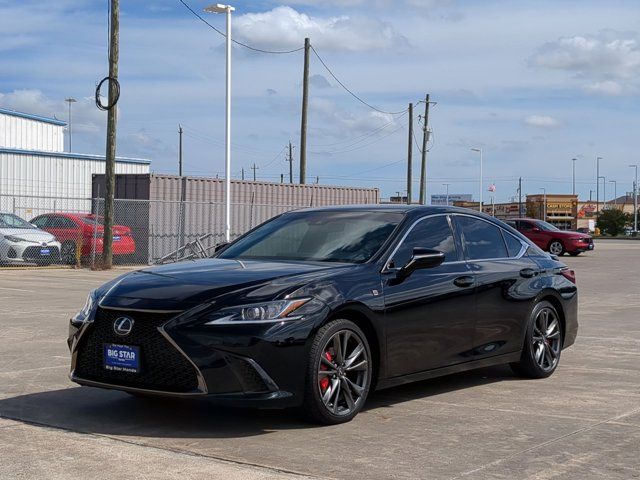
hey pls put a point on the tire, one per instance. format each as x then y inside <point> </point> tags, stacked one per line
<point>332,398</point>
<point>556,248</point>
<point>542,346</point>
<point>68,252</point>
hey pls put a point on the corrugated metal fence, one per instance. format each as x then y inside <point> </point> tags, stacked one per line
<point>174,217</point>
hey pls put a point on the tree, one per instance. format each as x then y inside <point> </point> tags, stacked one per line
<point>612,221</point>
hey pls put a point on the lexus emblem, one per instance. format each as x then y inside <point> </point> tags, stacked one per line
<point>123,326</point>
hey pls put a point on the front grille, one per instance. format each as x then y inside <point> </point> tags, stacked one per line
<point>162,367</point>
<point>33,253</point>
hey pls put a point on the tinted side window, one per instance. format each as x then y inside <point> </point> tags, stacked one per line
<point>524,226</point>
<point>513,244</point>
<point>481,239</point>
<point>40,222</point>
<point>433,232</point>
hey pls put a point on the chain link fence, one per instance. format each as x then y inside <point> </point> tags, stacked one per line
<point>69,231</point>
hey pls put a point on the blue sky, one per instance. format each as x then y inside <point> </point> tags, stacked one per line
<point>532,83</point>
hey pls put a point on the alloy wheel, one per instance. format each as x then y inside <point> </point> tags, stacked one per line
<point>546,339</point>
<point>68,253</point>
<point>343,371</point>
<point>556,248</point>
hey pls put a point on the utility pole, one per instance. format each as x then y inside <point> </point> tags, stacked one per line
<point>282,178</point>
<point>305,104</point>
<point>573,161</point>
<point>242,173</point>
<point>423,166</point>
<point>520,197</point>
<point>110,157</point>
<point>290,160</point>
<point>447,185</point>
<point>180,150</point>
<point>254,168</point>
<point>409,154</point>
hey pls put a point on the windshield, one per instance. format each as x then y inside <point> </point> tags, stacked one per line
<point>547,227</point>
<point>91,219</point>
<point>323,236</point>
<point>9,220</point>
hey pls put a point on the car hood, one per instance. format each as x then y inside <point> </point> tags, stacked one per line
<point>185,284</point>
<point>30,234</point>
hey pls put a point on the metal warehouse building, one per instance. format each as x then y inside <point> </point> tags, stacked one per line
<point>36,175</point>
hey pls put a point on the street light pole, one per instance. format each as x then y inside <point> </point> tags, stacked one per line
<point>573,161</point>
<point>447,185</point>
<point>635,200</point>
<point>226,9</point>
<point>604,188</point>
<point>598,186</point>
<point>70,100</point>
<point>544,202</point>
<point>615,192</point>
<point>479,150</point>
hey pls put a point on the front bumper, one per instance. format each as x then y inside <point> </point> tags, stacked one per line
<point>256,365</point>
<point>30,252</point>
<point>579,246</point>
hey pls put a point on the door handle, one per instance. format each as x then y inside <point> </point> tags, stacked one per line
<point>528,273</point>
<point>464,281</point>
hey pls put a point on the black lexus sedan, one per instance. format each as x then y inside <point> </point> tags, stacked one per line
<point>316,308</point>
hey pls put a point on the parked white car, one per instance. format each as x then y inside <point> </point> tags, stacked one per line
<point>22,242</point>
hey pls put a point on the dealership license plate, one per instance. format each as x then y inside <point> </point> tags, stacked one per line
<point>45,251</point>
<point>121,358</point>
<point>116,238</point>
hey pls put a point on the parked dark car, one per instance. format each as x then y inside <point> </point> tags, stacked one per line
<point>550,238</point>
<point>318,307</point>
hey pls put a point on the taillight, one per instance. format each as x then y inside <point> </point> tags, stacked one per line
<point>569,274</point>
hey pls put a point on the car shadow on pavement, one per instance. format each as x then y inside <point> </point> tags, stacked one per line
<point>109,412</point>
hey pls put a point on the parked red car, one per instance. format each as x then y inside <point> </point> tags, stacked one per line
<point>83,229</point>
<point>551,238</point>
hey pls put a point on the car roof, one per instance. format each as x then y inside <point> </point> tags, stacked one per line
<point>388,207</point>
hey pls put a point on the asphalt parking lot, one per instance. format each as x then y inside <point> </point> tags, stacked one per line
<point>582,423</point>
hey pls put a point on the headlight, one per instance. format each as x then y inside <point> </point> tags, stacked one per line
<point>14,239</point>
<point>84,315</point>
<point>276,311</point>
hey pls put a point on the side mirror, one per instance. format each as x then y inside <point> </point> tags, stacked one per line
<point>422,258</point>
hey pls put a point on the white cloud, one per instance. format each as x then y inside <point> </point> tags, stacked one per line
<point>542,121</point>
<point>609,87</point>
<point>285,28</point>
<point>609,53</point>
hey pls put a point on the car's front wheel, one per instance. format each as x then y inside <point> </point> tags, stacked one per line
<point>68,252</point>
<point>556,247</point>
<point>542,344</point>
<point>338,373</point>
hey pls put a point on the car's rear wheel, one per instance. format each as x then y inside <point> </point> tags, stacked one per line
<point>543,343</point>
<point>338,373</point>
<point>68,252</point>
<point>556,247</point>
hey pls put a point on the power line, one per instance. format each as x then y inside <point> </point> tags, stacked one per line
<point>236,41</point>
<point>348,90</point>
<point>370,133</point>
<point>347,148</point>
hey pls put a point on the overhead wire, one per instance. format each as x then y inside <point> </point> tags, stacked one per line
<point>255,49</point>
<point>347,88</point>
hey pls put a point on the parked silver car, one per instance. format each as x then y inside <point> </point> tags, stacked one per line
<point>22,242</point>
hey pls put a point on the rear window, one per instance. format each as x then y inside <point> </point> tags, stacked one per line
<point>482,240</point>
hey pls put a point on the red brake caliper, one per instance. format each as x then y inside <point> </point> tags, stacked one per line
<point>324,381</point>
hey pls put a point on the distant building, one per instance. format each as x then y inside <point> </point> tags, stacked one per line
<point>33,164</point>
<point>441,199</point>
